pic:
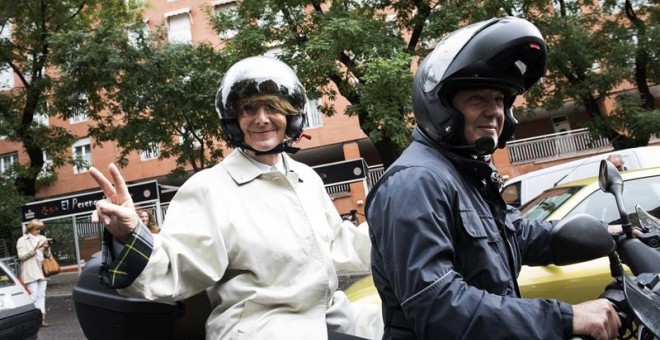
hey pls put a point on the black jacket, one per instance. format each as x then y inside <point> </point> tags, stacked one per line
<point>447,250</point>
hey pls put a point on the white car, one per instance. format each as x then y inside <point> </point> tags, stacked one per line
<point>19,318</point>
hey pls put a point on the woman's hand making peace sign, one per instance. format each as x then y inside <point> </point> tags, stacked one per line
<point>116,211</point>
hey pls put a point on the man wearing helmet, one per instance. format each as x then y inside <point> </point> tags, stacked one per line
<point>446,249</point>
<point>258,231</point>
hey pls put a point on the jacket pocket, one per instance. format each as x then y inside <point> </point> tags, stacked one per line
<point>249,322</point>
<point>479,226</point>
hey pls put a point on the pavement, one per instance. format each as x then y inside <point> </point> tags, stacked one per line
<point>62,284</point>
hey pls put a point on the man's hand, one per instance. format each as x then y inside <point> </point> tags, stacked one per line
<point>597,319</point>
<point>116,211</point>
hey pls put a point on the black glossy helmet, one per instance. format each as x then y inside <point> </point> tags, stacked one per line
<point>258,76</point>
<point>508,54</point>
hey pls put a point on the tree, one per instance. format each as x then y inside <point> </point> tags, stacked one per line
<point>146,94</point>
<point>27,32</point>
<point>351,49</point>
<point>365,50</point>
<point>589,57</point>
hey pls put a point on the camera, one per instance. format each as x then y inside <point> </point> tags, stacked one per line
<point>51,241</point>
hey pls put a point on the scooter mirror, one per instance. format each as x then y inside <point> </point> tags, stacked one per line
<point>609,178</point>
<point>580,238</point>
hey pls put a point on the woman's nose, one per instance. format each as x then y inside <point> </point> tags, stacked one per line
<point>262,114</point>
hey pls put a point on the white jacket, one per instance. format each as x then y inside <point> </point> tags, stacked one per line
<point>266,244</point>
<point>30,262</point>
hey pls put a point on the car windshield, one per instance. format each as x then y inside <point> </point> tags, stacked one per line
<point>5,279</point>
<point>547,202</point>
<point>644,191</point>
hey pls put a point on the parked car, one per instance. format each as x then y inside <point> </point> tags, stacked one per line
<point>521,189</point>
<point>19,318</point>
<point>572,283</point>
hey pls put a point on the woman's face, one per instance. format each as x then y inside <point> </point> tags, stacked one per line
<point>35,231</point>
<point>263,127</point>
<point>144,216</point>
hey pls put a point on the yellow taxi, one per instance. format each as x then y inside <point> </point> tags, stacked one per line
<point>572,283</point>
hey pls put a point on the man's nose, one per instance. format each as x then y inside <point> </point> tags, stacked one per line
<point>494,108</point>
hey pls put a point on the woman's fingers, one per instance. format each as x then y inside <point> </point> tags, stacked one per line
<point>120,185</point>
<point>104,183</point>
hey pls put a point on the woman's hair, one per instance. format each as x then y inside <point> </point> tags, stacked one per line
<point>152,221</point>
<point>34,224</point>
<point>272,101</point>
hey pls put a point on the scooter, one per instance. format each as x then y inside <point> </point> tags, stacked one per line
<point>636,298</point>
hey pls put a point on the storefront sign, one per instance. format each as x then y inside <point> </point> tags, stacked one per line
<point>78,204</point>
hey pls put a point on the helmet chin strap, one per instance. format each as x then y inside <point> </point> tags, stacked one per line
<point>283,147</point>
<point>481,146</point>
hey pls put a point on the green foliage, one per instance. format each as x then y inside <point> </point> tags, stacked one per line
<point>143,92</point>
<point>352,49</point>
<point>638,123</point>
<point>593,50</point>
<point>30,52</point>
<point>10,210</point>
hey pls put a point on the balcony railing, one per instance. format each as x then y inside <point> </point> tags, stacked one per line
<point>553,145</point>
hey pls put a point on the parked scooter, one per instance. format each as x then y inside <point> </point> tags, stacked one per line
<point>637,299</point>
<point>582,237</point>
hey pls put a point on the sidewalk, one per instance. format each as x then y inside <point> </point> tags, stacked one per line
<point>62,284</point>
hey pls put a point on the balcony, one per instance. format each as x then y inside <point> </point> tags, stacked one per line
<point>553,146</point>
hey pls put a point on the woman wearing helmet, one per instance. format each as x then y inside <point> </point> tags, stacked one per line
<point>446,249</point>
<point>257,231</point>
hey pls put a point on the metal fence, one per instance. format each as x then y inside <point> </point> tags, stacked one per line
<point>553,145</point>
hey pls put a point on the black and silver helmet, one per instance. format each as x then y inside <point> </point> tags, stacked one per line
<point>508,54</point>
<point>258,76</point>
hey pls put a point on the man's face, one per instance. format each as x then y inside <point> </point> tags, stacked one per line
<point>263,127</point>
<point>483,111</point>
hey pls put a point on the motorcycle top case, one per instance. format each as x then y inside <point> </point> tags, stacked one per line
<point>105,314</point>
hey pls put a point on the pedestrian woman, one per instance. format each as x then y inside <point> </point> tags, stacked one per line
<point>148,219</point>
<point>32,248</point>
<point>257,231</point>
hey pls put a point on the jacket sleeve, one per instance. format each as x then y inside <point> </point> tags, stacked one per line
<point>24,249</point>
<point>533,237</point>
<point>350,246</point>
<point>189,254</point>
<point>416,245</point>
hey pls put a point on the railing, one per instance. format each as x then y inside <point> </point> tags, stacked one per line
<point>553,145</point>
<point>338,189</point>
<point>374,173</point>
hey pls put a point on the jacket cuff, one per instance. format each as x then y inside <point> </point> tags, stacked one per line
<point>566,311</point>
<point>121,270</point>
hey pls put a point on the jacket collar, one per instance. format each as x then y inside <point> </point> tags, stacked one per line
<point>474,167</point>
<point>242,170</point>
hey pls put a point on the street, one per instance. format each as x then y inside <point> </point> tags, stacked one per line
<point>62,318</point>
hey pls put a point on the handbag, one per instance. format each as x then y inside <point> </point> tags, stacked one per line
<point>50,265</point>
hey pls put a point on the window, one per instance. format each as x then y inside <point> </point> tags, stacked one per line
<point>152,152</point>
<point>190,137</point>
<point>47,167</point>
<point>82,156</point>
<point>229,9</point>
<point>134,36</point>
<point>6,73</point>
<point>6,161</point>
<point>79,112</point>
<point>314,116</point>
<point>179,26</point>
